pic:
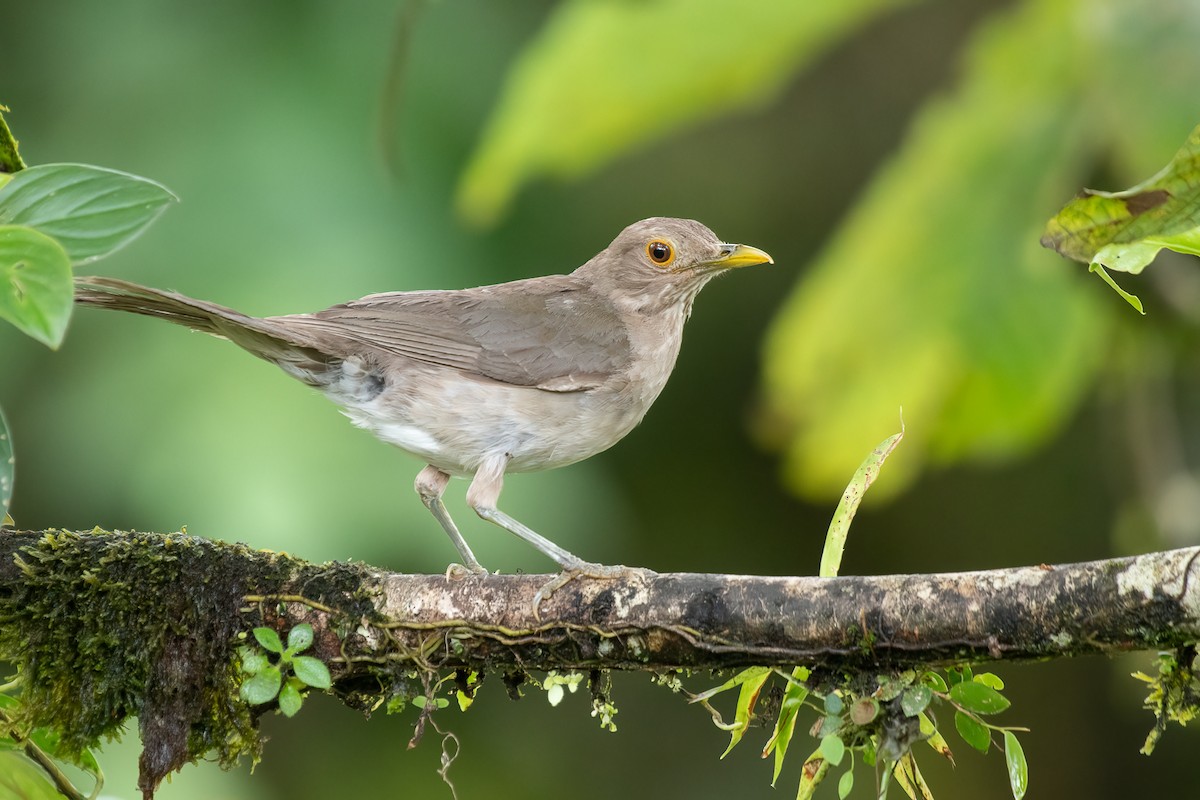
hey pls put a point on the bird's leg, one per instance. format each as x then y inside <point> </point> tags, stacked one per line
<point>430,484</point>
<point>482,496</point>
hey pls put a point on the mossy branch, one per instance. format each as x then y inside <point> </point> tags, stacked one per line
<point>148,624</point>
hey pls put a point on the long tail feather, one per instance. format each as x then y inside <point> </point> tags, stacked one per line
<point>267,339</point>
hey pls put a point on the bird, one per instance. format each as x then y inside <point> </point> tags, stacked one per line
<point>478,383</point>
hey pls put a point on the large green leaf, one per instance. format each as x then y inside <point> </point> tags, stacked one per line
<point>931,296</point>
<point>91,211</point>
<point>35,283</point>
<point>605,77</point>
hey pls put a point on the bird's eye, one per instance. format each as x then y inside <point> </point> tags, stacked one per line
<point>660,252</point>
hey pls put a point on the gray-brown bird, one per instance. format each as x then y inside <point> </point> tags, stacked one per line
<point>516,377</point>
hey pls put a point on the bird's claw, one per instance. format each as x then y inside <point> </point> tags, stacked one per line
<point>458,572</point>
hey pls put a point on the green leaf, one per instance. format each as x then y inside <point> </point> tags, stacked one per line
<point>300,638</point>
<point>833,703</point>
<point>979,698</point>
<point>1132,299</point>
<point>91,211</point>
<point>421,701</point>
<point>312,671</point>
<point>269,639</point>
<point>1125,230</point>
<point>21,778</point>
<point>747,697</point>
<point>262,687</point>
<point>1018,771</point>
<point>815,768</point>
<point>253,662</point>
<point>748,674</point>
<point>957,675</point>
<point>915,700</point>
<point>990,679</point>
<point>839,528</point>
<point>972,732</point>
<point>846,784</point>
<point>929,297</point>
<point>934,738</point>
<point>8,466</point>
<point>35,283</point>
<point>290,699</point>
<point>908,775</point>
<point>667,64</point>
<point>935,681</point>
<point>785,725</point>
<point>833,749</point>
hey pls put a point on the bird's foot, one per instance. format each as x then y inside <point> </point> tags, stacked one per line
<point>457,572</point>
<point>586,569</point>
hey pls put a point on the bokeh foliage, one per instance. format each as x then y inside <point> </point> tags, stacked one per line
<point>934,285</point>
<point>261,118</point>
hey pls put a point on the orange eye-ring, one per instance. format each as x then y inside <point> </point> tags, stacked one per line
<point>660,252</point>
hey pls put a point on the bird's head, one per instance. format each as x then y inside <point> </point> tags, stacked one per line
<point>663,261</point>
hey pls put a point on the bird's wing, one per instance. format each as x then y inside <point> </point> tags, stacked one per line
<point>550,333</point>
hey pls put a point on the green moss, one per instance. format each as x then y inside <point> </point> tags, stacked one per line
<point>107,626</point>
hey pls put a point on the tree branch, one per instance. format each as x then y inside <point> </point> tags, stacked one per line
<point>698,621</point>
<point>147,620</point>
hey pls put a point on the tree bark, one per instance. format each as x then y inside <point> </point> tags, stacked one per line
<point>684,620</point>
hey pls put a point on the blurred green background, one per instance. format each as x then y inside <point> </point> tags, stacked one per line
<point>897,160</point>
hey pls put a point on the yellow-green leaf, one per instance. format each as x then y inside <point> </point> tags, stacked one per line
<point>785,724</point>
<point>839,528</point>
<point>934,738</point>
<point>1125,230</point>
<point>35,284</point>
<point>21,778</point>
<point>908,775</point>
<point>1018,770</point>
<point>931,296</point>
<point>811,776</point>
<point>747,697</point>
<point>602,78</point>
<point>1131,226</point>
<point>748,674</point>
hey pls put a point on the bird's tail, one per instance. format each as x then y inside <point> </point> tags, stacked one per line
<point>264,338</point>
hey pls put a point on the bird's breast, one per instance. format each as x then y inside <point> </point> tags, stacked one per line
<point>454,420</point>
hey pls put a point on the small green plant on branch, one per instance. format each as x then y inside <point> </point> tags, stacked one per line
<point>872,719</point>
<point>270,679</point>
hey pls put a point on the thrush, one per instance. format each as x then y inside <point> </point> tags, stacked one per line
<point>517,377</point>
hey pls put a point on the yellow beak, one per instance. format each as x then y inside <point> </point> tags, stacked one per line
<point>740,255</point>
